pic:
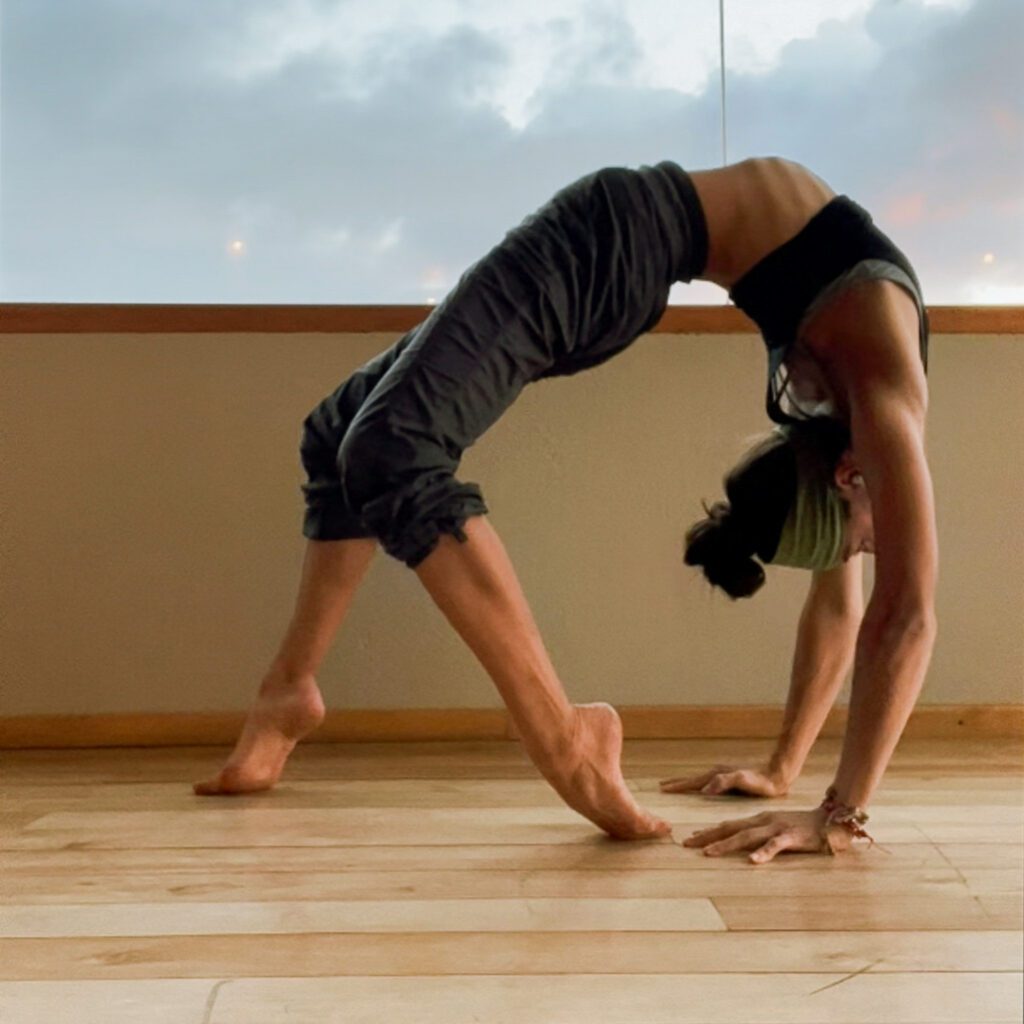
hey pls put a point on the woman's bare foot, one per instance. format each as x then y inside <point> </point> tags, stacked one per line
<point>286,709</point>
<point>590,779</point>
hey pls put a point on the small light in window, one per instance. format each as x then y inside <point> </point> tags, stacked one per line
<point>237,247</point>
<point>431,301</point>
<point>989,257</point>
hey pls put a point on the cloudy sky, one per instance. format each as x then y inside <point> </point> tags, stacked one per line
<point>367,151</point>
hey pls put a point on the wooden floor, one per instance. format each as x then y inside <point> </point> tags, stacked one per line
<point>444,882</point>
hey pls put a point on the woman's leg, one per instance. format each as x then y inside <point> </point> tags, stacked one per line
<point>288,705</point>
<point>469,361</point>
<point>577,748</point>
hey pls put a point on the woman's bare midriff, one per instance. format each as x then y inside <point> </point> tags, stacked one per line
<point>751,208</point>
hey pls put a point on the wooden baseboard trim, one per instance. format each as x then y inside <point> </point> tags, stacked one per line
<point>183,318</point>
<point>23,732</point>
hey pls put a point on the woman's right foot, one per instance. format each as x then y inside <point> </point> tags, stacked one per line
<point>590,779</point>
<point>286,709</point>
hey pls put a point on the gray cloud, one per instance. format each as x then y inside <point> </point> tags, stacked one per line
<point>929,134</point>
<point>128,163</point>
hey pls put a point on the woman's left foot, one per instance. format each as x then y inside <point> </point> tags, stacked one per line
<point>590,778</point>
<point>286,710</point>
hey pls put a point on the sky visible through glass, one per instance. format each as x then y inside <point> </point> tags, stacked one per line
<point>348,151</point>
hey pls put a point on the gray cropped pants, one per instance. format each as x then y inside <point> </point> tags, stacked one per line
<point>570,287</point>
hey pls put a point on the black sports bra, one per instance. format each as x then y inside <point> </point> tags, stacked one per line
<point>839,245</point>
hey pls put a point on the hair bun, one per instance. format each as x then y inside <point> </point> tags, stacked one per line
<point>723,549</point>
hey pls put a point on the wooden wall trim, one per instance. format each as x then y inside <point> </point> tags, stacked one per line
<point>99,318</point>
<point>639,722</point>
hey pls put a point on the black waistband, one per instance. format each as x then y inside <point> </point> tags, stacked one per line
<point>675,190</point>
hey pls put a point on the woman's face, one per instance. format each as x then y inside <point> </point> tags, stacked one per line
<point>859,532</point>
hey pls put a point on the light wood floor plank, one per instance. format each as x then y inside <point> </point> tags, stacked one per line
<point>593,854</point>
<point>437,953</point>
<point>105,1002</point>
<point>984,855</point>
<point>38,921</point>
<point>615,999</point>
<point>12,822</point>
<point>955,832</point>
<point>257,884</point>
<point>1006,910</point>
<point>703,999</point>
<point>866,912</point>
<point>268,826</point>
<point>992,882</point>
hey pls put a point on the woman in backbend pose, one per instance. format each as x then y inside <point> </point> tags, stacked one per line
<point>841,313</point>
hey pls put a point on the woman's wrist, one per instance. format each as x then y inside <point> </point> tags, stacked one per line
<point>783,771</point>
<point>842,818</point>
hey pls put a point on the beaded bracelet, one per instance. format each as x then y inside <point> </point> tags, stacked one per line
<point>851,818</point>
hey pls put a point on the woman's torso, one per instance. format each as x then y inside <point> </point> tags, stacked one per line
<point>751,208</point>
<point>755,206</point>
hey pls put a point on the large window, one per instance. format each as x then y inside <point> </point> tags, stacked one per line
<point>342,151</point>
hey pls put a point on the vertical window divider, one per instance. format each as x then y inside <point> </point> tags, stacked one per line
<point>721,65</point>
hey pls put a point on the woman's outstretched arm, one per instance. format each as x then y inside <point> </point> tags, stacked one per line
<point>898,632</point>
<point>886,397</point>
<point>825,641</point>
<point>875,363</point>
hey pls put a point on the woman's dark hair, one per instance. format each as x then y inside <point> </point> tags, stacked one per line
<point>760,490</point>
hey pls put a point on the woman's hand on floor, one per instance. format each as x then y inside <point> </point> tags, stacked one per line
<point>726,779</point>
<point>772,832</point>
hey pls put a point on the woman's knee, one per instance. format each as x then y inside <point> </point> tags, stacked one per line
<point>369,462</point>
<point>318,449</point>
<point>324,429</point>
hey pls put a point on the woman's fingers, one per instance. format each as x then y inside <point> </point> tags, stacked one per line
<point>723,778</point>
<point>774,845</point>
<point>724,781</point>
<point>743,780</point>
<point>747,839</point>
<point>673,785</point>
<point>770,833</point>
<point>722,831</point>
<point>688,783</point>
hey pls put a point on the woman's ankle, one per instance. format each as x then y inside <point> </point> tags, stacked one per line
<point>281,677</point>
<point>552,745</point>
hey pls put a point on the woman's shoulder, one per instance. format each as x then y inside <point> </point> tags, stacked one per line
<point>870,334</point>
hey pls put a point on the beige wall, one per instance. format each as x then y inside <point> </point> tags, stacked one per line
<point>150,526</point>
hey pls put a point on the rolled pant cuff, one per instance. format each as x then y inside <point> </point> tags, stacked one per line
<point>451,525</point>
<point>419,539</point>
<point>333,523</point>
